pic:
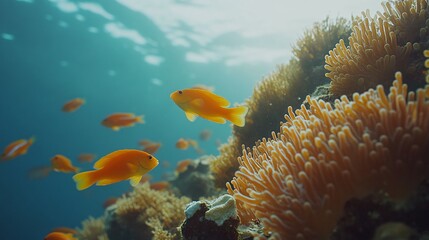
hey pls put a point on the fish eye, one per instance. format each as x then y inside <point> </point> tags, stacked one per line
<point>180,92</point>
<point>150,156</point>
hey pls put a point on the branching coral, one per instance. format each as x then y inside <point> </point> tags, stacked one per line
<point>92,229</point>
<point>379,46</point>
<point>298,182</point>
<point>143,211</point>
<point>287,86</point>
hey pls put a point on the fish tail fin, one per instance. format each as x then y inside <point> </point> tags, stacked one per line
<point>237,115</point>
<point>140,119</point>
<point>32,140</point>
<point>84,180</point>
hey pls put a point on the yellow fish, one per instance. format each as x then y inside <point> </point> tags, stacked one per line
<point>117,166</point>
<point>203,103</point>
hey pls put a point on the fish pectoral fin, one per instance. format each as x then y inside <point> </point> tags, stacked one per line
<point>191,116</point>
<point>134,180</point>
<point>105,182</point>
<point>116,128</point>
<point>215,119</point>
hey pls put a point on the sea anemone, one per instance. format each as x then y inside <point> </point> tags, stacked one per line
<point>378,47</point>
<point>298,182</point>
<point>287,86</point>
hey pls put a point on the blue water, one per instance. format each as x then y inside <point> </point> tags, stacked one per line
<point>48,57</point>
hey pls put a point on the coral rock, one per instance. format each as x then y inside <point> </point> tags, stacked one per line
<point>211,220</point>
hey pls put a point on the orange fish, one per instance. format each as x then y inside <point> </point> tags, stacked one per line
<point>146,142</point>
<point>117,166</point>
<point>182,144</point>
<point>205,134</point>
<point>152,148</point>
<point>39,172</point>
<point>118,120</point>
<point>85,157</point>
<point>64,230</point>
<point>165,164</point>
<point>203,103</point>
<point>17,148</point>
<point>145,178</point>
<point>73,105</point>
<point>183,165</point>
<point>61,163</point>
<point>159,185</point>
<point>109,202</point>
<point>59,236</point>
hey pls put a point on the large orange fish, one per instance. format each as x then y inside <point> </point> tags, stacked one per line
<point>117,166</point>
<point>19,147</point>
<point>73,105</point>
<point>203,103</point>
<point>61,163</point>
<point>118,120</point>
<point>59,236</point>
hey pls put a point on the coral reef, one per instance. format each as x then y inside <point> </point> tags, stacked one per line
<point>92,229</point>
<point>196,181</point>
<point>298,182</point>
<point>146,214</point>
<point>379,46</point>
<point>287,86</point>
<point>212,220</point>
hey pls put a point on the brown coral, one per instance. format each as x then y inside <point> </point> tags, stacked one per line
<point>92,229</point>
<point>143,211</point>
<point>298,182</point>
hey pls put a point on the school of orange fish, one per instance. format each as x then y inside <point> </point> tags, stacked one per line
<point>131,164</point>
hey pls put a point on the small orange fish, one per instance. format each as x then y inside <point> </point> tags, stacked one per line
<point>165,164</point>
<point>73,105</point>
<point>182,144</point>
<point>117,166</point>
<point>146,142</point>
<point>145,178</point>
<point>118,120</point>
<point>19,147</point>
<point>59,236</point>
<point>39,172</point>
<point>109,202</point>
<point>152,148</point>
<point>61,163</point>
<point>205,134</point>
<point>159,185</point>
<point>64,230</point>
<point>85,157</point>
<point>203,103</point>
<point>183,165</point>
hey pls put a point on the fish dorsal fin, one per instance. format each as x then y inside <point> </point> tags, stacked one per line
<point>108,158</point>
<point>218,99</point>
<point>134,180</point>
<point>191,116</point>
